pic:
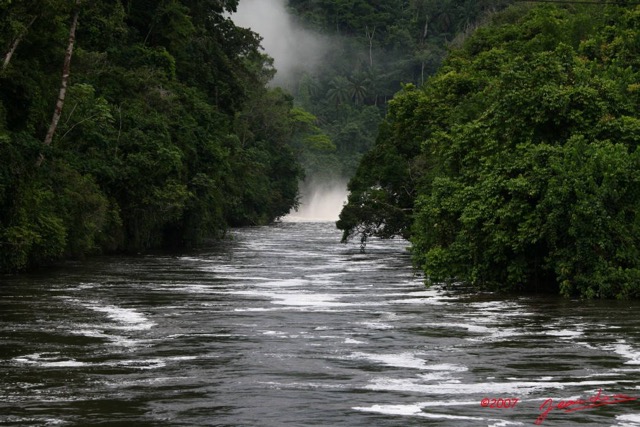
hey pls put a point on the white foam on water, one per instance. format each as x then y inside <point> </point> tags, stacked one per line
<point>469,327</point>
<point>242,278</point>
<point>376,325</point>
<point>117,340</point>
<point>400,360</point>
<point>499,334</point>
<point>153,363</point>
<point>180,358</point>
<point>407,360</point>
<point>128,318</point>
<point>625,350</point>
<point>35,421</point>
<point>55,360</point>
<point>627,420</point>
<point>309,300</point>
<point>403,410</point>
<point>502,388</point>
<point>302,300</point>
<point>565,333</point>
<point>415,410</point>
<point>443,375</point>
<point>143,364</point>
<point>49,360</point>
<point>303,385</point>
<point>86,285</point>
<point>440,403</point>
<point>120,383</point>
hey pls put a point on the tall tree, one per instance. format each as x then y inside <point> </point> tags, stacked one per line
<point>64,83</point>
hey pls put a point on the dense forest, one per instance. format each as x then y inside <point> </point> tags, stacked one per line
<point>127,125</point>
<point>375,47</point>
<point>498,136</point>
<point>515,167</point>
<point>136,124</point>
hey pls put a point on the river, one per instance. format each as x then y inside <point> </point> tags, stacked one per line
<point>284,326</point>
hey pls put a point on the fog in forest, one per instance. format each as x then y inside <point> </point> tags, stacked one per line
<point>294,49</point>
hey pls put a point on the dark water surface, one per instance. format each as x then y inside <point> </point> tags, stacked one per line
<point>284,326</point>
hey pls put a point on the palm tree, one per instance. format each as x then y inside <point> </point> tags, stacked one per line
<point>358,88</point>
<point>339,90</point>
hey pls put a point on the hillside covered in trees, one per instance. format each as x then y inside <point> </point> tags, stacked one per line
<point>515,167</point>
<point>373,48</point>
<point>127,125</point>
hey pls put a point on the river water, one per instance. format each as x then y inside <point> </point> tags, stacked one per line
<point>285,326</point>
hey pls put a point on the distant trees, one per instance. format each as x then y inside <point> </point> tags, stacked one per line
<point>376,47</point>
<point>514,168</point>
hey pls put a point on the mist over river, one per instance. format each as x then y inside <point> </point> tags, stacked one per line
<point>284,326</point>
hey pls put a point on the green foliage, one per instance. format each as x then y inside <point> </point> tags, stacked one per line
<point>168,133</point>
<point>376,46</point>
<point>519,158</point>
<point>381,192</point>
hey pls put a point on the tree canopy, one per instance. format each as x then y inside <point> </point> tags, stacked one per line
<point>514,168</point>
<point>376,46</point>
<point>167,132</point>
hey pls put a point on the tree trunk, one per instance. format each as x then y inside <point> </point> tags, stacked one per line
<point>370,37</point>
<point>66,70</point>
<point>16,42</point>
<point>423,42</point>
<point>426,28</point>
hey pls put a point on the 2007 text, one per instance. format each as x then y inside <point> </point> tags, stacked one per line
<point>500,403</point>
